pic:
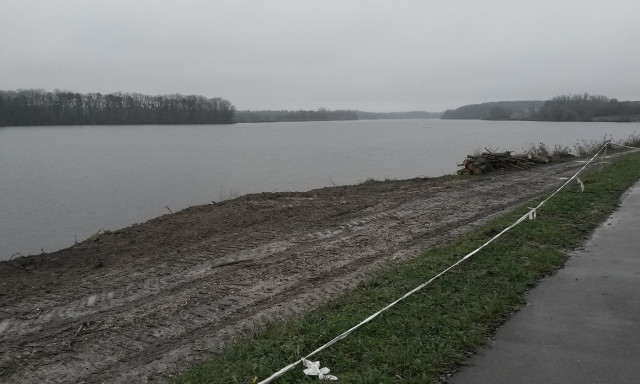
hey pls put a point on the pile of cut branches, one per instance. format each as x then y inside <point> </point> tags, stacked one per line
<point>490,161</point>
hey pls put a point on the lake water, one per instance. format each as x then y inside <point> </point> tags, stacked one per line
<point>62,184</point>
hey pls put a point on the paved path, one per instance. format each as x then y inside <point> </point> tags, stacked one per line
<point>582,325</point>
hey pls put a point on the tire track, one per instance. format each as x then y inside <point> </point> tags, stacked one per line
<point>209,274</point>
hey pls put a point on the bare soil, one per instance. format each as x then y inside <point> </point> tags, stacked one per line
<point>143,303</point>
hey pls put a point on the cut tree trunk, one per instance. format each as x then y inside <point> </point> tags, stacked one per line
<point>490,161</point>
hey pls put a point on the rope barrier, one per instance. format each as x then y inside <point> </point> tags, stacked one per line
<point>623,146</point>
<point>531,214</point>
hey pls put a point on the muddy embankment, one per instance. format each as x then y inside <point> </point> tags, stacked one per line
<point>142,303</point>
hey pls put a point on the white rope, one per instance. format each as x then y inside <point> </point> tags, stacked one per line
<point>624,146</point>
<point>531,215</point>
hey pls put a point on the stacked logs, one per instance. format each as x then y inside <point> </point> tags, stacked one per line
<point>490,161</point>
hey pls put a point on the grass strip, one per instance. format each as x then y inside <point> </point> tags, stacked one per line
<point>432,332</point>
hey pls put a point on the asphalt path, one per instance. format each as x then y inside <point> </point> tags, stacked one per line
<point>581,325</point>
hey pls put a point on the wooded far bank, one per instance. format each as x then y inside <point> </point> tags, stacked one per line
<point>38,107</point>
<point>27,107</point>
<point>581,107</point>
<point>327,115</point>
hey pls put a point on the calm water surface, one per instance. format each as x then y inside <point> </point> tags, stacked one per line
<point>61,184</point>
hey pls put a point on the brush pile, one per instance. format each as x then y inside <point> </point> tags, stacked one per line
<point>490,161</point>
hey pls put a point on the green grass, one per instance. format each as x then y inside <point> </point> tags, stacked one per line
<point>433,331</point>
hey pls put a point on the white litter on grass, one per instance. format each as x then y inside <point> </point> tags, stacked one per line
<point>581,184</point>
<point>313,369</point>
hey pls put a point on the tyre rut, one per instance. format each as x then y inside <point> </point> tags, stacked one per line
<point>192,297</point>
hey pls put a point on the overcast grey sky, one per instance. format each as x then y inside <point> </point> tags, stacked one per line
<point>371,55</point>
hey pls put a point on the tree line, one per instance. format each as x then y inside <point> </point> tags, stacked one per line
<point>39,107</point>
<point>300,115</point>
<point>398,115</point>
<point>579,107</point>
<point>495,110</point>
<point>327,115</point>
<point>586,107</point>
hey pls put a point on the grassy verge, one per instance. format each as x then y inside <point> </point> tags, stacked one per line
<point>431,332</point>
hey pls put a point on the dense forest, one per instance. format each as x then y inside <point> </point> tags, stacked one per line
<point>326,115</point>
<point>301,115</point>
<point>588,107</point>
<point>398,115</point>
<point>38,107</point>
<point>583,107</point>
<point>496,110</point>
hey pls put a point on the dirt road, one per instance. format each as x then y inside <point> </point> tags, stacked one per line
<point>142,303</point>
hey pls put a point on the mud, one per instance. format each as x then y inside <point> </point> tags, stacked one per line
<point>143,303</point>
